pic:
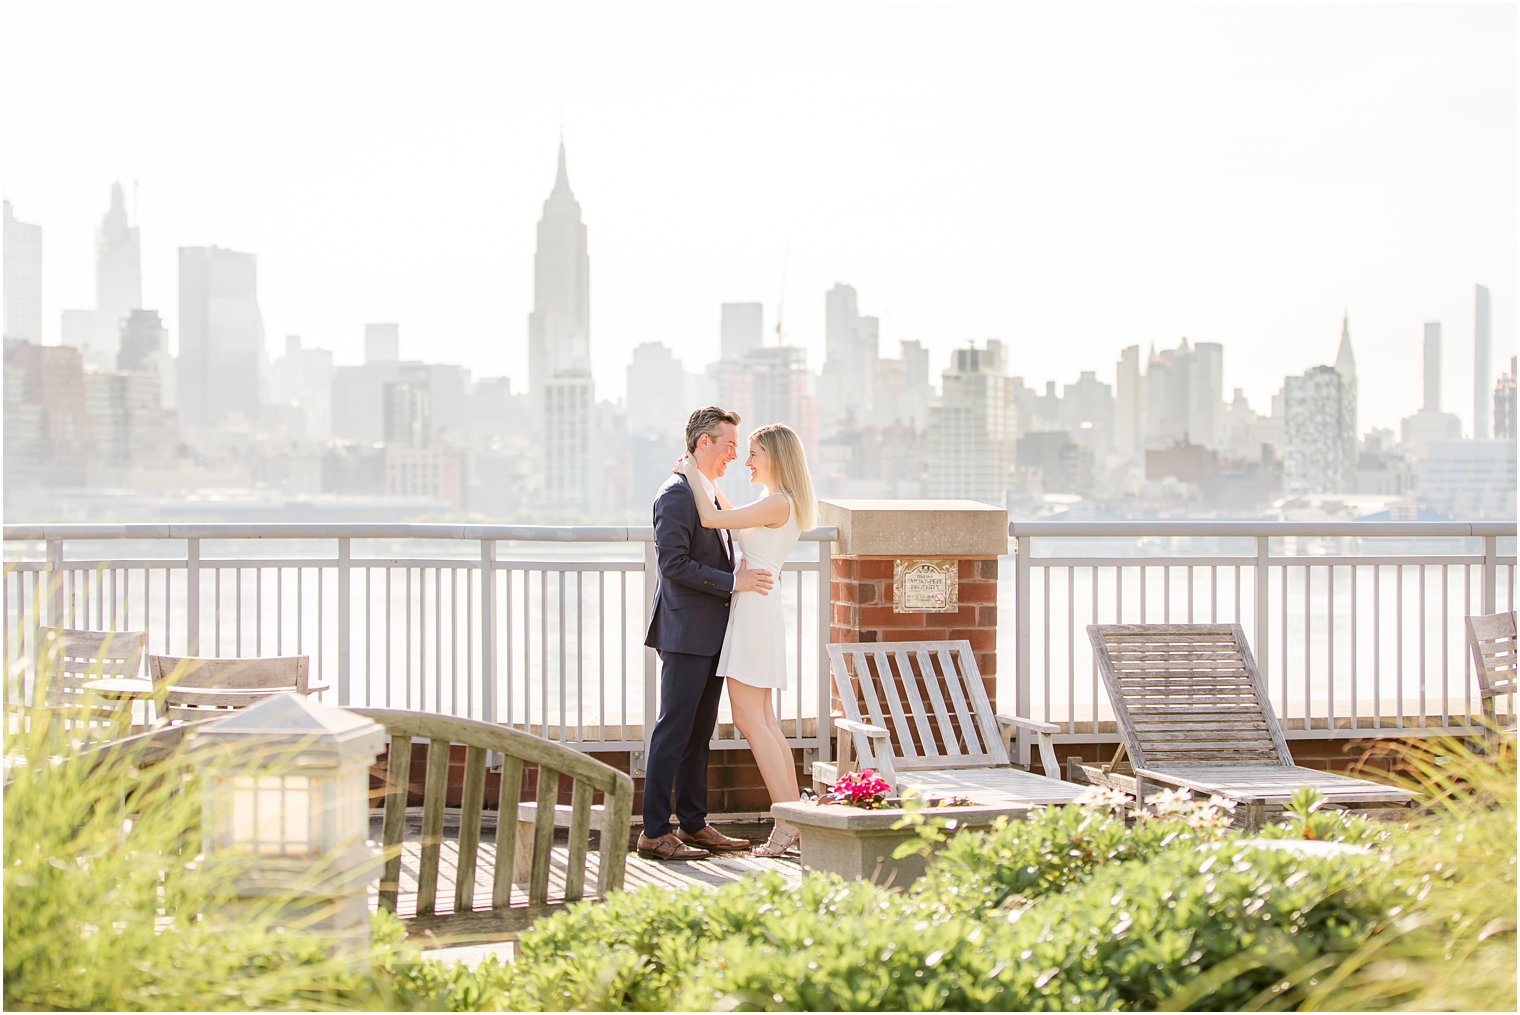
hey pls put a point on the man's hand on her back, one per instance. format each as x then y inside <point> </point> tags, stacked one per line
<point>746,580</point>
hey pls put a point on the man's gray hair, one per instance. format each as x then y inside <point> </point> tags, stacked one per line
<point>706,421</point>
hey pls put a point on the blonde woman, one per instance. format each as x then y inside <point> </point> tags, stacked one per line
<point>754,654</point>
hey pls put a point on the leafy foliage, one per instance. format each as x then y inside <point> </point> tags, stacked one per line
<point>1076,908</point>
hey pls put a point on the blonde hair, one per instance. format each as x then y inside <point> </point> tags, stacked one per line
<point>789,469</point>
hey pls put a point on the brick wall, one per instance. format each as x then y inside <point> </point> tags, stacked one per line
<point>861,591</point>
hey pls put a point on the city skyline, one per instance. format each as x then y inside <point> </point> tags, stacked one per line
<point>667,284</point>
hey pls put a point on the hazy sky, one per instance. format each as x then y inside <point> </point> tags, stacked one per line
<point>1070,179</point>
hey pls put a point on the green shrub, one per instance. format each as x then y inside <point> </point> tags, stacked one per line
<point>634,951</point>
<point>1452,948</point>
<point>1074,910</point>
<point>1090,918</point>
<point>1053,849</point>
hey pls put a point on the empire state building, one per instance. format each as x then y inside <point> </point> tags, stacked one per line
<point>559,328</point>
<point>559,349</point>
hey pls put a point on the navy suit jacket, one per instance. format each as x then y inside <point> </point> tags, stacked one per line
<point>695,579</point>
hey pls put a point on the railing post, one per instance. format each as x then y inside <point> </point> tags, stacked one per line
<point>193,597</point>
<point>825,619</point>
<point>345,625</point>
<point>54,584</point>
<point>1021,677</point>
<point>651,704</point>
<point>488,629</point>
<point>1263,595</point>
<point>1490,574</point>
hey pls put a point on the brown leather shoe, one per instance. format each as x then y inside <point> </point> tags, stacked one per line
<point>668,847</point>
<point>710,838</point>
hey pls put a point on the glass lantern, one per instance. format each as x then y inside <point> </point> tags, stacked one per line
<point>285,805</point>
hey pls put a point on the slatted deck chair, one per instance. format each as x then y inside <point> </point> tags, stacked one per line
<point>1492,640</point>
<point>195,688</point>
<point>917,713</point>
<point>73,659</point>
<point>523,875</point>
<point>1193,713</point>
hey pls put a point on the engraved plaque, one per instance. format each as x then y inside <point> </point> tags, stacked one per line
<point>924,586</point>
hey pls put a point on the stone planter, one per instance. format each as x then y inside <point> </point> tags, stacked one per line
<point>858,844</point>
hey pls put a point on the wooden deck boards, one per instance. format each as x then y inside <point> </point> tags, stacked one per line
<point>721,869</point>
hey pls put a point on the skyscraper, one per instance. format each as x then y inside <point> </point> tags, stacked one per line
<point>779,392</point>
<point>1482,387</point>
<point>1206,395</point>
<point>973,429</point>
<point>569,415</point>
<point>23,279</point>
<point>1128,432</point>
<point>1317,418</point>
<point>743,329</point>
<point>405,415</point>
<point>1168,393</point>
<point>1087,412</point>
<point>656,393</point>
<point>1345,365</point>
<point>382,343</point>
<point>851,348</point>
<point>559,328</point>
<point>1432,367</point>
<point>221,336</point>
<point>901,391</point>
<point>118,280</point>
<point>145,349</point>
<point>1430,426</point>
<point>1504,405</point>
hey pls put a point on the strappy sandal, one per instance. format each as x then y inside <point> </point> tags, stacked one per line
<point>780,844</point>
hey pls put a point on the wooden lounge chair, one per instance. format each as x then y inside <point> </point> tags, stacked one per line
<point>197,688</point>
<point>1193,713</point>
<point>1492,639</point>
<point>918,714</point>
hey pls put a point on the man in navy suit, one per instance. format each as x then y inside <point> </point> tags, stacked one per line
<point>696,578</point>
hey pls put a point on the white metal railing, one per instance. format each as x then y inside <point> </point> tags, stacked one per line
<point>539,627</point>
<point>1357,627</point>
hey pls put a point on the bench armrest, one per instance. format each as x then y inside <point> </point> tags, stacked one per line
<point>864,729</point>
<point>1032,725</point>
<point>875,755</point>
<point>1042,732</point>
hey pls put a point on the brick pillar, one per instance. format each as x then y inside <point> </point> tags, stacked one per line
<point>875,534</point>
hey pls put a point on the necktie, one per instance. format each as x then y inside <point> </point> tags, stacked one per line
<point>723,535</point>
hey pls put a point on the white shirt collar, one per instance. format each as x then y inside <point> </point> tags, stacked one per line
<point>707,486</point>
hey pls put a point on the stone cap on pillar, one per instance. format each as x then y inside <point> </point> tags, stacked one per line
<point>922,528</point>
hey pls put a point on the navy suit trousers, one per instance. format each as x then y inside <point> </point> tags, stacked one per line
<point>690,690</point>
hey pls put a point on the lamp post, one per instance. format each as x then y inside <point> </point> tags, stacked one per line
<point>285,815</point>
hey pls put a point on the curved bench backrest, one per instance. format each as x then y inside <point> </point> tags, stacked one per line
<point>527,761</point>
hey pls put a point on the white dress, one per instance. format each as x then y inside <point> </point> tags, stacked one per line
<point>754,647</point>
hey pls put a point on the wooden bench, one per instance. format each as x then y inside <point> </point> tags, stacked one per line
<point>519,891</point>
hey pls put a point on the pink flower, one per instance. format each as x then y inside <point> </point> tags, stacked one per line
<point>863,789</point>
